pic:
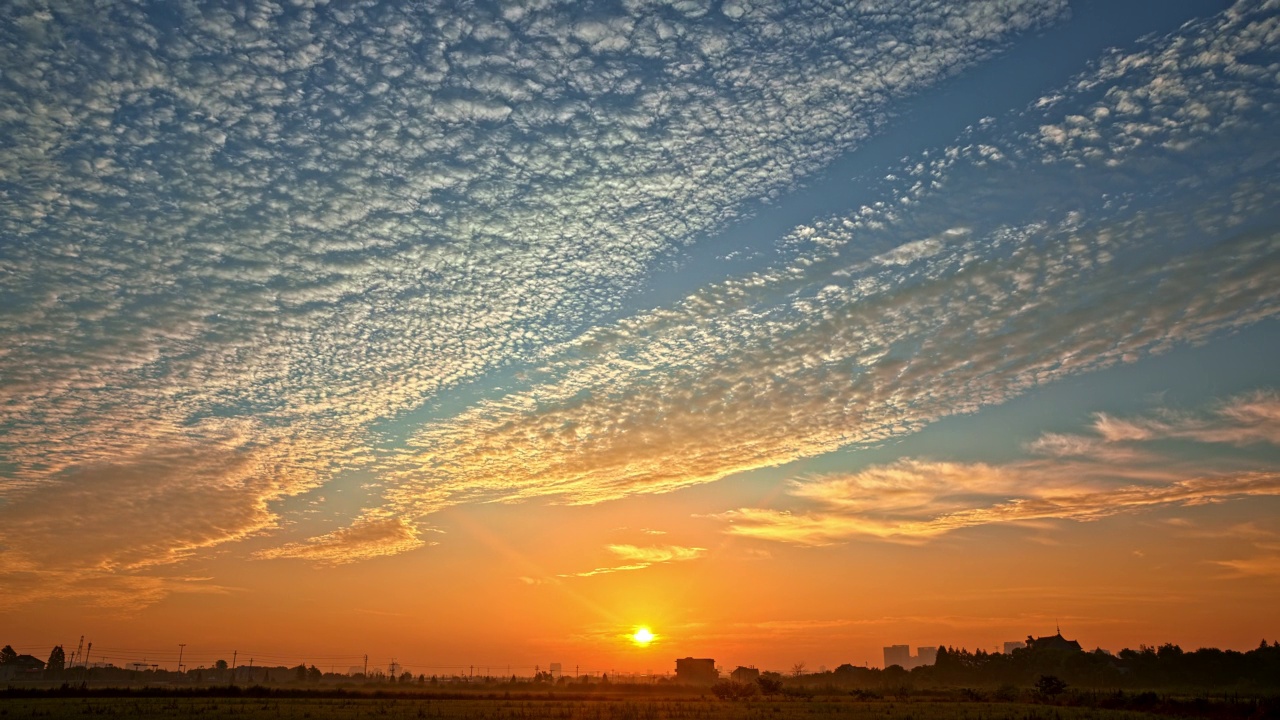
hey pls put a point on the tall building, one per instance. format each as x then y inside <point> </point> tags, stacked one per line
<point>899,655</point>
<point>696,671</point>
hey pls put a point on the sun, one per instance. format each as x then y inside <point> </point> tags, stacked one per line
<point>643,636</point>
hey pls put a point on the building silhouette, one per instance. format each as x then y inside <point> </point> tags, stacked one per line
<point>1012,645</point>
<point>696,671</point>
<point>901,656</point>
<point>745,674</point>
<point>1053,642</point>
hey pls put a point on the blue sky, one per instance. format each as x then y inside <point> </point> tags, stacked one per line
<point>291,282</point>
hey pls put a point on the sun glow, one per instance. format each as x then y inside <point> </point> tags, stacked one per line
<point>643,636</point>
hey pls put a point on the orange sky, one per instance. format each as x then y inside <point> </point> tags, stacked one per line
<point>491,596</point>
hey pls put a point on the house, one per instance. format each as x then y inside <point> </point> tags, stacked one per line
<point>21,666</point>
<point>696,671</point>
<point>1053,642</point>
<point>745,674</point>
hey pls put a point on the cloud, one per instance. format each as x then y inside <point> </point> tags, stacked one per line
<point>1068,445</point>
<point>330,232</point>
<point>366,539</point>
<point>861,340</point>
<point>1244,420</point>
<point>1079,479</point>
<point>686,397</point>
<point>325,218</point>
<point>139,515</point>
<point>1034,504</point>
<point>639,558</point>
<point>1266,566</point>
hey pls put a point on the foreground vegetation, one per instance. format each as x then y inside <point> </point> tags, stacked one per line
<point>276,704</point>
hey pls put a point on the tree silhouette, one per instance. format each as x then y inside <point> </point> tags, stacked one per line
<point>770,683</point>
<point>57,659</point>
<point>1050,685</point>
<point>8,655</point>
<point>221,665</point>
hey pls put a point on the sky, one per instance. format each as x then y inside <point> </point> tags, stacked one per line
<point>483,334</point>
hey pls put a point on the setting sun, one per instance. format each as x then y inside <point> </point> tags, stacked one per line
<point>643,636</point>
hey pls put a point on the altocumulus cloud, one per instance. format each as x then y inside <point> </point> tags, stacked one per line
<point>97,530</point>
<point>969,303</point>
<point>321,216</point>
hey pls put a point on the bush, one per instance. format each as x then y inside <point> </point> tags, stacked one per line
<point>730,690</point>
<point>1050,685</point>
<point>769,683</point>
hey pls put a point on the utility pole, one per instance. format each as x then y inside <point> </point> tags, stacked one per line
<point>233,666</point>
<point>181,647</point>
<point>366,666</point>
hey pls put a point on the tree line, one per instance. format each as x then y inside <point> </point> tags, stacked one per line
<point>1166,666</point>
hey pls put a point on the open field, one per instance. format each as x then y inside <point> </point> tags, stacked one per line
<point>391,708</point>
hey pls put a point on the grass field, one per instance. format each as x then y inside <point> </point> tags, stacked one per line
<point>536,709</point>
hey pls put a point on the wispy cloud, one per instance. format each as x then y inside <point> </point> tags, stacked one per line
<point>136,516</point>
<point>821,528</point>
<point>638,558</point>
<point>1081,481</point>
<point>1266,566</point>
<point>366,539</point>
<point>1246,420</point>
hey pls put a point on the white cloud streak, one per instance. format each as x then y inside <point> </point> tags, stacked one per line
<point>638,558</point>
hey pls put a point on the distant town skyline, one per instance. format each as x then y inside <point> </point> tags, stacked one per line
<point>691,669</point>
<point>608,333</point>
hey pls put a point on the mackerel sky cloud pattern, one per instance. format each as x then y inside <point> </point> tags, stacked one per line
<point>251,252</point>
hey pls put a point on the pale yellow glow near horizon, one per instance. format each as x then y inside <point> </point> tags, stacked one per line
<point>643,636</point>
